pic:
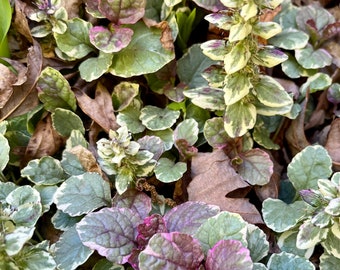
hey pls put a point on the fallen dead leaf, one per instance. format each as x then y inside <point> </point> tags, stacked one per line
<point>213,178</point>
<point>295,133</point>
<point>6,82</point>
<point>24,97</point>
<point>86,159</point>
<point>333,143</point>
<point>99,109</point>
<point>45,141</point>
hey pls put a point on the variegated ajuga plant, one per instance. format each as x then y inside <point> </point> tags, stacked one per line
<point>239,77</point>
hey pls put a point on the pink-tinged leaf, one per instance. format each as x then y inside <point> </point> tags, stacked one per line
<point>256,167</point>
<point>151,225</point>
<point>122,12</point>
<point>110,231</point>
<point>189,216</point>
<point>110,40</point>
<point>135,200</point>
<point>229,255</point>
<point>171,251</point>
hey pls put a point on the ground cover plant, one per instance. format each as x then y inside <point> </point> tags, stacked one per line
<point>169,134</point>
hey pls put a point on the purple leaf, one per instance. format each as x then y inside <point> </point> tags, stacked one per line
<point>110,231</point>
<point>122,12</point>
<point>151,225</point>
<point>171,251</point>
<point>229,255</point>
<point>189,216</point>
<point>110,40</point>
<point>135,200</point>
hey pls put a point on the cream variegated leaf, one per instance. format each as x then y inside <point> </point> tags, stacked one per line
<point>221,20</point>
<point>239,31</point>
<point>239,118</point>
<point>214,49</point>
<point>249,10</point>
<point>270,93</point>
<point>236,87</point>
<point>237,58</point>
<point>266,30</point>
<point>269,56</point>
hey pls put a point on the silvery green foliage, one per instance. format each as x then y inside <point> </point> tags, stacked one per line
<point>313,218</point>
<point>123,158</point>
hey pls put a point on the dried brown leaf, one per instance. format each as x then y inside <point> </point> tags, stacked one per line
<point>212,178</point>
<point>333,143</point>
<point>45,141</point>
<point>6,82</point>
<point>24,97</point>
<point>20,22</point>
<point>86,159</point>
<point>99,109</point>
<point>295,134</point>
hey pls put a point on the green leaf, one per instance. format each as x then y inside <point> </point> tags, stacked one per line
<point>36,257</point>
<point>70,251</point>
<point>309,165</point>
<point>4,152</point>
<point>55,91</point>
<point>46,195</point>
<point>309,235</point>
<point>5,189</point>
<point>26,205</point>
<point>44,171</point>
<point>287,242</point>
<point>145,53</point>
<point>63,221</point>
<point>214,132</point>
<point>167,171</point>
<point>76,138</point>
<point>328,261</point>
<point>293,213</point>
<point>82,194</point>
<point>191,66</point>
<point>236,86</point>
<point>123,96</point>
<point>266,30</point>
<point>271,93</point>
<point>239,118</point>
<point>237,58</point>
<point>206,97</point>
<point>256,167</point>
<point>224,225</point>
<point>94,67</point>
<point>166,135</point>
<point>64,121</point>
<point>257,243</point>
<point>317,82</point>
<point>284,260</point>
<point>332,244</point>
<point>294,70</point>
<point>310,58</point>
<point>15,240</point>
<point>75,42</point>
<point>5,23</point>
<point>155,118</point>
<point>290,39</point>
<point>110,231</point>
<point>130,117</point>
<point>187,130</point>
